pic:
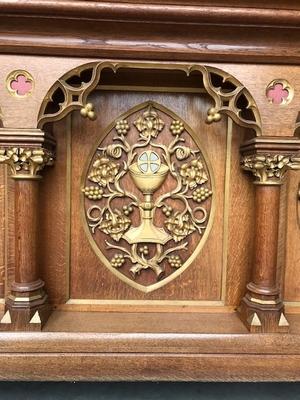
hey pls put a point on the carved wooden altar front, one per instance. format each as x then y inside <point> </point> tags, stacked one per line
<point>149,200</point>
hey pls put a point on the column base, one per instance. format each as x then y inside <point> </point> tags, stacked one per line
<point>260,317</point>
<point>25,309</point>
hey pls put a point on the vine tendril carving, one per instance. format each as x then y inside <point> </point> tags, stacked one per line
<point>144,226</point>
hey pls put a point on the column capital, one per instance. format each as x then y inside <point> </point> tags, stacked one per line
<point>26,151</point>
<point>269,158</point>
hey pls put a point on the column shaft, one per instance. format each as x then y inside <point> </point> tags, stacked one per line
<point>26,228</point>
<point>26,306</point>
<point>266,237</point>
<point>261,308</point>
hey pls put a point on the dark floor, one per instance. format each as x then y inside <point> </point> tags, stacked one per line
<point>148,391</point>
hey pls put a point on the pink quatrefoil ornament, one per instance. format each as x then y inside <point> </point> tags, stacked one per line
<point>279,92</point>
<point>20,83</point>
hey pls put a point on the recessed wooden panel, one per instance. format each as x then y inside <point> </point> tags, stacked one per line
<point>240,232</point>
<point>54,218</point>
<point>292,240</point>
<point>148,197</point>
<point>71,269</point>
<point>203,279</point>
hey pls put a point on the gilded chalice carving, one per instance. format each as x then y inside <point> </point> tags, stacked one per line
<point>148,174</point>
<point>144,226</point>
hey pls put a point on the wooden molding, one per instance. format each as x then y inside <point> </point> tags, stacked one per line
<point>226,355</point>
<point>153,12</point>
<point>273,144</point>
<point>218,31</point>
<point>26,137</point>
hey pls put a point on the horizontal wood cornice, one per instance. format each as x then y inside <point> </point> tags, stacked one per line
<point>25,137</point>
<point>273,144</point>
<point>134,11</point>
<point>152,30</point>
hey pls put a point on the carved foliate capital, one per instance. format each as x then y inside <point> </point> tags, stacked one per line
<point>269,169</point>
<point>26,163</point>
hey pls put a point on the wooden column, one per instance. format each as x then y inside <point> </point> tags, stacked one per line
<point>262,309</point>
<point>26,304</point>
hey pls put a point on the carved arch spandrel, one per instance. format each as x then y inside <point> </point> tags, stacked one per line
<point>71,92</point>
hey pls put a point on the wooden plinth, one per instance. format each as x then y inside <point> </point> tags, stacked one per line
<point>150,346</point>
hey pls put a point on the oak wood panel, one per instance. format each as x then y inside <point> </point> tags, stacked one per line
<point>292,257</point>
<point>90,279</point>
<point>54,224</point>
<point>117,10</point>
<point>195,345</point>
<point>220,30</point>
<point>290,5</point>
<point>153,367</point>
<point>131,342</point>
<point>200,44</point>
<point>282,232</point>
<point>240,224</point>
<point>229,337</point>
<point>138,322</point>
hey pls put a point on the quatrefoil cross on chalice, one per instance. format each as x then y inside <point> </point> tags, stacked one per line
<point>148,174</point>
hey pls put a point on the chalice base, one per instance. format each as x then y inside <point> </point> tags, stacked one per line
<point>147,233</point>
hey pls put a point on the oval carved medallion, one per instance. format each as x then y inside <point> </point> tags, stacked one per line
<point>147,195</point>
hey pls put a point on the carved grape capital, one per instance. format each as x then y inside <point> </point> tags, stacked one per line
<point>26,162</point>
<point>269,169</point>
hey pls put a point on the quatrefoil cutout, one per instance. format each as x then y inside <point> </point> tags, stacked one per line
<point>20,83</point>
<point>279,92</point>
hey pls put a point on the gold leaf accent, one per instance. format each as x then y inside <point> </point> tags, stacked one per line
<point>180,226</point>
<point>149,124</point>
<point>182,152</point>
<point>88,112</point>
<point>122,127</point>
<point>193,173</point>
<point>114,150</point>
<point>26,161</point>
<point>115,224</point>
<point>176,127</point>
<point>103,171</point>
<point>148,163</point>
<point>269,168</point>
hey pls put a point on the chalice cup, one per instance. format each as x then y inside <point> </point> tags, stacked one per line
<point>148,174</point>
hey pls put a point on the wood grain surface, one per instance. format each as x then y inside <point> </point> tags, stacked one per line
<point>54,238</point>
<point>292,253</point>
<point>106,352</point>
<point>153,30</point>
<point>90,278</point>
<point>3,243</point>
<point>103,329</point>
